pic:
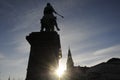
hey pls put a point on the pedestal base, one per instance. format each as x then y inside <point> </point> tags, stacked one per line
<point>44,55</point>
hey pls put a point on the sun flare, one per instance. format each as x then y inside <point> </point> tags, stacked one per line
<point>60,70</point>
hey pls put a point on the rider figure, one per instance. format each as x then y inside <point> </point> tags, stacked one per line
<point>49,10</point>
<point>49,19</point>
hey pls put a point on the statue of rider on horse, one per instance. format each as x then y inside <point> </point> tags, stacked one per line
<point>48,21</point>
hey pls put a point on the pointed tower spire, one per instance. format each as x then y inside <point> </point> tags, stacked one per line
<point>70,63</point>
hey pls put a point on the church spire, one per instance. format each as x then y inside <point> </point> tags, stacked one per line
<point>70,63</point>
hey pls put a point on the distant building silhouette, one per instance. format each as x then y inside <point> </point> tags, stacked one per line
<point>73,72</point>
<point>109,70</point>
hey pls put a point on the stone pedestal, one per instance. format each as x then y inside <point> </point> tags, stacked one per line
<point>44,55</point>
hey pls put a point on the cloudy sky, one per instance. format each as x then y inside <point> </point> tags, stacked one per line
<point>91,28</point>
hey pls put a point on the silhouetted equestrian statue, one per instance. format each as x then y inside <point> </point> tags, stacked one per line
<point>48,21</point>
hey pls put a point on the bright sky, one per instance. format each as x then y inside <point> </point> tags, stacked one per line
<point>91,28</point>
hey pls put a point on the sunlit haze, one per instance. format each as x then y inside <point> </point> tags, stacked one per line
<point>61,69</point>
<point>90,27</point>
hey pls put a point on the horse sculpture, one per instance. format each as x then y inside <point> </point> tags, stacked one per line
<point>48,24</point>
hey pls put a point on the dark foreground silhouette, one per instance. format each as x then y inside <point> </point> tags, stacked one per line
<point>48,21</point>
<point>109,70</point>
